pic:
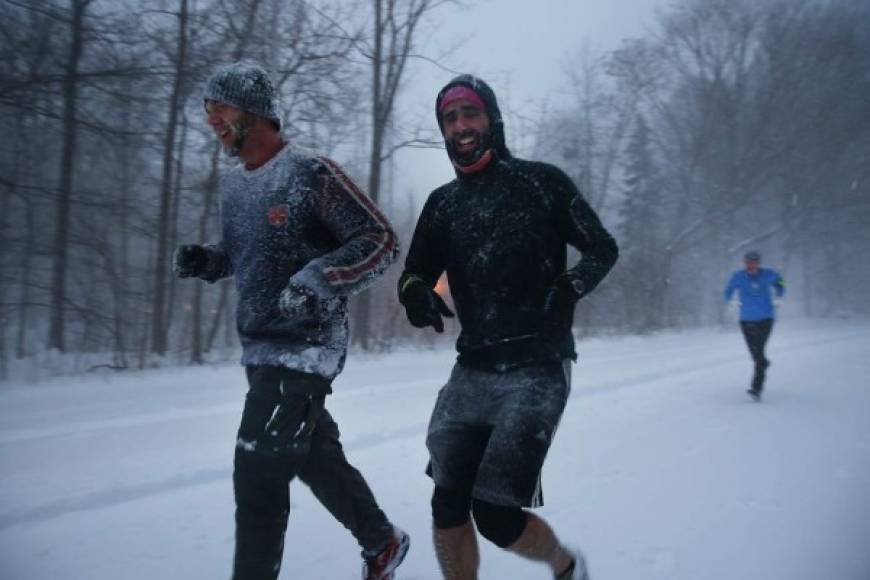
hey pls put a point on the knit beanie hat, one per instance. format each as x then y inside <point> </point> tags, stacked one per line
<point>752,256</point>
<point>245,86</point>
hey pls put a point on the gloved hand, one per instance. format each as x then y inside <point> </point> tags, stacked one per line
<point>735,304</point>
<point>298,301</point>
<point>189,261</point>
<point>777,303</point>
<point>423,306</point>
<point>559,302</point>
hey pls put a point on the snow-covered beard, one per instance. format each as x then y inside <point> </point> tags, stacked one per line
<point>484,144</point>
<point>240,129</point>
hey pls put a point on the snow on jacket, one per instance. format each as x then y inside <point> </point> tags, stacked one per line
<point>755,292</point>
<point>297,218</point>
<point>501,235</point>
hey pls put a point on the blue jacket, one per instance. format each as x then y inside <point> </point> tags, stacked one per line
<point>754,291</point>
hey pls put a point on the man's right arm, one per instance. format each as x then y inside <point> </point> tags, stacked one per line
<point>424,264</point>
<point>731,287</point>
<point>425,261</point>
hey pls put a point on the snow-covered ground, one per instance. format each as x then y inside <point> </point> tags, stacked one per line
<point>662,467</point>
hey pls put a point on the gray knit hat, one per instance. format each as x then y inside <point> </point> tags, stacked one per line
<point>245,86</point>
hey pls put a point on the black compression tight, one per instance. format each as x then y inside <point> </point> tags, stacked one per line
<point>501,525</point>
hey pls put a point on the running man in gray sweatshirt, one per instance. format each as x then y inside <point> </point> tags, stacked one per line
<point>299,237</point>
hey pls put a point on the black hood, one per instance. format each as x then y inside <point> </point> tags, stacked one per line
<point>496,124</point>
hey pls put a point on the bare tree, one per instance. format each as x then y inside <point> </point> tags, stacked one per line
<point>394,30</point>
<point>753,136</point>
<point>159,332</point>
<point>78,10</point>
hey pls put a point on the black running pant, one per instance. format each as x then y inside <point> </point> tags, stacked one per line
<point>756,333</point>
<point>263,471</point>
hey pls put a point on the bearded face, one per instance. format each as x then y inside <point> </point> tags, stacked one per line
<point>466,148</point>
<point>231,126</point>
<point>237,134</point>
<point>466,132</point>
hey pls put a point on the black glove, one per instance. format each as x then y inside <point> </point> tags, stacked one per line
<point>559,302</point>
<point>290,428</point>
<point>189,261</point>
<point>423,305</point>
<point>298,301</point>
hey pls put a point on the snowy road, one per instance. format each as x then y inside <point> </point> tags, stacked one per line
<point>662,468</point>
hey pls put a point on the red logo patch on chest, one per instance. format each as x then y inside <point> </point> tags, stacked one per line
<point>279,215</point>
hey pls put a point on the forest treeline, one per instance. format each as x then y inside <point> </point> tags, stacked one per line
<point>731,125</point>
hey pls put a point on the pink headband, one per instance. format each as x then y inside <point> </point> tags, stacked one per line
<point>458,92</point>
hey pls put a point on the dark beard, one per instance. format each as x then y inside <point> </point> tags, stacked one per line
<point>484,144</point>
<point>241,128</point>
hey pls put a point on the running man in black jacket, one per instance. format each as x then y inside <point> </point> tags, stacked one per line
<point>500,230</point>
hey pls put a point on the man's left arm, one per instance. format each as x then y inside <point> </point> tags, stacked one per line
<point>583,229</point>
<point>778,284</point>
<point>368,243</point>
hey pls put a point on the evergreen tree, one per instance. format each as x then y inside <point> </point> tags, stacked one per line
<point>641,215</point>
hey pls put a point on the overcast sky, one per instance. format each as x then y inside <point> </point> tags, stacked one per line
<point>520,48</point>
<point>525,42</point>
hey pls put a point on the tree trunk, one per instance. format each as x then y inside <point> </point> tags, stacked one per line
<point>377,116</point>
<point>5,205</point>
<point>173,218</point>
<point>122,317</point>
<point>219,316</point>
<point>67,165</point>
<point>362,324</point>
<point>159,327</point>
<point>26,282</point>
<point>209,194</point>
<point>143,316</point>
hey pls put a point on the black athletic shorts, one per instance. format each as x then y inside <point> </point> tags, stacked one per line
<point>490,432</point>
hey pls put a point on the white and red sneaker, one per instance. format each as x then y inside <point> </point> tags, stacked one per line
<point>382,566</point>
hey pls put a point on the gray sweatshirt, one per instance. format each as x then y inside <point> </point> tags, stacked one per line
<point>297,219</point>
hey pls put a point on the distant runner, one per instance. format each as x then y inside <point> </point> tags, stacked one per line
<point>756,287</point>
